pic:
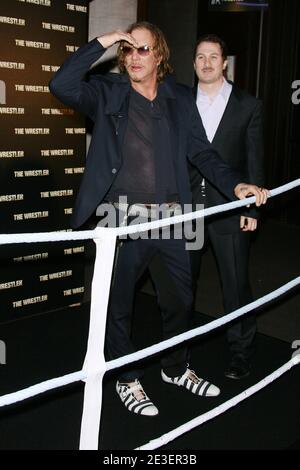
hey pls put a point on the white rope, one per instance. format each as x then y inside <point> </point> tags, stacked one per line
<point>170,436</point>
<point>11,238</point>
<point>82,375</point>
<point>202,213</point>
<point>94,363</point>
<point>202,329</point>
<point>42,387</point>
<point>8,239</point>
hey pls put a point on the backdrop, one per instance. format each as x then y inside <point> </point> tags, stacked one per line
<point>42,154</point>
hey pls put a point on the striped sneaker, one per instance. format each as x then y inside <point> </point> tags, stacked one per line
<point>194,384</point>
<point>135,399</point>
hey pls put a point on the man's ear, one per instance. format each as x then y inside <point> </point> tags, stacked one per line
<point>225,64</point>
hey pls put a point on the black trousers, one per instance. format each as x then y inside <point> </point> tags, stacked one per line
<point>175,296</point>
<point>232,255</point>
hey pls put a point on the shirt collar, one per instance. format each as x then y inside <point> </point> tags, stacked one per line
<point>224,91</point>
<point>166,88</point>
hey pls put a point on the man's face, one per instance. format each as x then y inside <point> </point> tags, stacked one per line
<point>142,68</point>
<point>209,64</point>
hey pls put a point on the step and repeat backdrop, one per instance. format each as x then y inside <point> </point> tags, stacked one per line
<point>42,155</point>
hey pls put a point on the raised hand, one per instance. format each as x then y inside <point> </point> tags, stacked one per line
<point>109,39</point>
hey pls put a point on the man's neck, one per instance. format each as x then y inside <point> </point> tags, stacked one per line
<point>211,89</point>
<point>148,90</point>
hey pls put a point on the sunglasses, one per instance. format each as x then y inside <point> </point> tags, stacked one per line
<point>142,50</point>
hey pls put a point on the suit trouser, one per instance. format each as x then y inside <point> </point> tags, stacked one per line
<point>232,254</point>
<point>133,258</point>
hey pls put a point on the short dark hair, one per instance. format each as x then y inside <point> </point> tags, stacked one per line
<point>161,48</point>
<point>215,39</point>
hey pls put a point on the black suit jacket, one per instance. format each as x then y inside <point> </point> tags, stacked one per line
<point>239,142</point>
<point>105,99</point>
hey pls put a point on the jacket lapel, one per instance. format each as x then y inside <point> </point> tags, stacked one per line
<point>117,108</point>
<point>195,92</point>
<point>228,115</point>
<point>231,110</point>
<point>172,114</point>
<point>116,95</point>
<point>171,110</point>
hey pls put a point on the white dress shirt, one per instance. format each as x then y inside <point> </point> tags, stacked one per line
<point>212,109</point>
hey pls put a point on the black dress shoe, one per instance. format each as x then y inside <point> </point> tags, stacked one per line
<point>238,369</point>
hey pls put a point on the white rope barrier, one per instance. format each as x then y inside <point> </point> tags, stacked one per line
<point>95,366</point>
<point>170,436</point>
<point>202,213</point>
<point>38,389</point>
<point>40,237</point>
<point>82,375</point>
<point>202,329</point>
<point>8,239</point>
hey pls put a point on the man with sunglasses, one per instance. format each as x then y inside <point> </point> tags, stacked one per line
<point>146,129</point>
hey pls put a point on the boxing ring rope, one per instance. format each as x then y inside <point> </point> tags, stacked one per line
<point>194,423</point>
<point>94,365</point>
<point>7,239</point>
<point>51,384</point>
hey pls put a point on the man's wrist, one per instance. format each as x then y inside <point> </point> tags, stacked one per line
<point>99,40</point>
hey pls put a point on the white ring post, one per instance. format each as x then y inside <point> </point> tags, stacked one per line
<point>94,364</point>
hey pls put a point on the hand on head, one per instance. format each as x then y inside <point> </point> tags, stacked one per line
<point>109,39</point>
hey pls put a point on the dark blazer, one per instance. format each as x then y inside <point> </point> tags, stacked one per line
<point>104,99</point>
<point>239,142</point>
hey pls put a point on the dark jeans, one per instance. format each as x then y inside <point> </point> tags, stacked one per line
<point>174,290</point>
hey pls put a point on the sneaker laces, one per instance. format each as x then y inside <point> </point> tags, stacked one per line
<point>191,374</point>
<point>137,390</point>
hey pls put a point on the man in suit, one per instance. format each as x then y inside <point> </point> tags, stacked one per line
<point>233,123</point>
<point>146,128</point>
